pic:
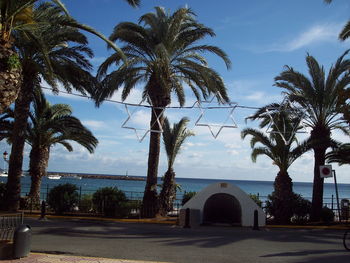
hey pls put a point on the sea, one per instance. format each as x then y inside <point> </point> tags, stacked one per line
<point>134,189</point>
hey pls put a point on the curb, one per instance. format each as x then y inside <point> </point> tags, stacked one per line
<point>148,221</point>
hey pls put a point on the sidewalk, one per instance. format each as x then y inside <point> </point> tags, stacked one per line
<point>49,258</point>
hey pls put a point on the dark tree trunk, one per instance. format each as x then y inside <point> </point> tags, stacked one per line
<point>160,98</point>
<point>22,107</point>
<point>168,193</point>
<point>317,191</point>
<point>320,138</point>
<point>39,159</point>
<point>283,194</point>
<point>150,197</point>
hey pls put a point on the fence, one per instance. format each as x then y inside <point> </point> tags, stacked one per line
<point>136,197</point>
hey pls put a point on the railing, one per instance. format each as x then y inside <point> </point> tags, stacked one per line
<point>8,224</point>
<point>329,202</point>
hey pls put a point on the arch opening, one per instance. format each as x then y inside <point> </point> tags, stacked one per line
<point>222,208</point>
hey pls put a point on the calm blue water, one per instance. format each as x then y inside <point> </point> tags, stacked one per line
<point>135,189</point>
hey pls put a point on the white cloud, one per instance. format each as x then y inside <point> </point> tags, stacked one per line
<point>313,35</point>
<point>94,124</point>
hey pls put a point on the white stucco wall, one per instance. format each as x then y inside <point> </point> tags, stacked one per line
<point>248,206</point>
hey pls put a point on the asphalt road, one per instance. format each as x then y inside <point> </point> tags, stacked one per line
<point>214,244</point>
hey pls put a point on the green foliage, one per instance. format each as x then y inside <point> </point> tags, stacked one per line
<point>62,198</point>
<point>327,215</point>
<point>28,203</point>
<point>301,209</point>
<point>111,202</point>
<point>298,210</point>
<point>256,199</point>
<point>85,204</point>
<point>187,196</point>
<point>13,62</point>
<point>2,195</point>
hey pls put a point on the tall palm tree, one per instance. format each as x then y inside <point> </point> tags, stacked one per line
<point>58,61</point>
<point>340,155</point>
<point>163,54</point>
<point>61,60</point>
<point>318,95</point>
<point>173,138</point>
<point>50,125</point>
<point>280,151</point>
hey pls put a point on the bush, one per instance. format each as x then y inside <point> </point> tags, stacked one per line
<point>327,215</point>
<point>110,201</point>
<point>301,209</point>
<point>187,196</point>
<point>63,198</point>
<point>256,199</point>
<point>298,209</point>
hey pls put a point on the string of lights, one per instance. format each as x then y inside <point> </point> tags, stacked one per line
<point>195,105</point>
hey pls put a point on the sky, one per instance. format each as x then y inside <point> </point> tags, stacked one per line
<point>260,38</point>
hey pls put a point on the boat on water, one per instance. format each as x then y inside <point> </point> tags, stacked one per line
<point>72,177</point>
<point>3,174</point>
<point>54,176</point>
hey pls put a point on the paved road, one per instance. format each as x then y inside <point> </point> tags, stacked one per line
<point>215,244</point>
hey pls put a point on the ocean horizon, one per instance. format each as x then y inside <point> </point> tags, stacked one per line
<point>135,189</point>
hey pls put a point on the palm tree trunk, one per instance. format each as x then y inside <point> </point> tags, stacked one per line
<point>39,159</point>
<point>320,138</point>
<point>22,107</point>
<point>283,193</point>
<point>168,193</point>
<point>150,197</point>
<point>317,191</point>
<point>10,77</point>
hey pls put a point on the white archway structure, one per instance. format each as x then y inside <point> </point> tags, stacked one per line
<point>245,204</point>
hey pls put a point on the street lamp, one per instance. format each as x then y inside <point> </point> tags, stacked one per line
<point>5,154</point>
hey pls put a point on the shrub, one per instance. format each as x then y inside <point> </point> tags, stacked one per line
<point>187,196</point>
<point>110,201</point>
<point>298,209</point>
<point>327,215</point>
<point>301,209</point>
<point>256,199</point>
<point>63,198</point>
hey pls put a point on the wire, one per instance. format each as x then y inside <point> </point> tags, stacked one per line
<point>149,106</point>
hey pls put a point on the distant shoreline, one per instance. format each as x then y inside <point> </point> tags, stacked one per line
<point>99,176</point>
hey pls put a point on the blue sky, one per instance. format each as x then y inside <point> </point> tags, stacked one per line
<point>260,37</point>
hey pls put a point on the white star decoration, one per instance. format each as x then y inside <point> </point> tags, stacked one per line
<point>286,106</point>
<point>225,124</point>
<point>141,136</point>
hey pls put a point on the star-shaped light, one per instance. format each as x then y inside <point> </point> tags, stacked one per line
<point>232,106</point>
<point>140,132</point>
<point>286,107</point>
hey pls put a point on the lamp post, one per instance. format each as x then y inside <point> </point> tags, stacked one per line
<point>5,154</point>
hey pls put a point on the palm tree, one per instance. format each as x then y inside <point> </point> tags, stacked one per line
<point>163,54</point>
<point>21,18</point>
<point>340,155</point>
<point>173,138</point>
<point>318,96</point>
<point>50,125</point>
<point>280,151</point>
<point>63,59</point>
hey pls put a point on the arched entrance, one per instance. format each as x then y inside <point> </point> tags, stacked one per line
<point>223,209</point>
